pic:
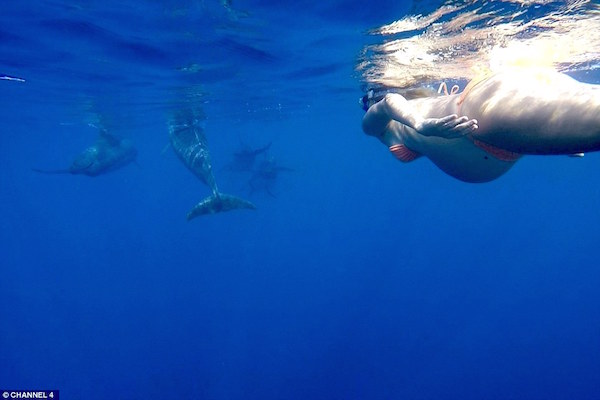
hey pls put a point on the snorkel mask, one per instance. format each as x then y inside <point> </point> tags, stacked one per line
<point>364,100</point>
<point>371,98</point>
<point>374,96</point>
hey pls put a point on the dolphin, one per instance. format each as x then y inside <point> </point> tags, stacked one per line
<point>189,143</point>
<point>265,175</point>
<point>107,154</point>
<point>244,159</point>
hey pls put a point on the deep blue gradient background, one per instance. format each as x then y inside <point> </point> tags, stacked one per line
<point>363,279</point>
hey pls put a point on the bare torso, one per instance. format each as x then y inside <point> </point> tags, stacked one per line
<point>458,157</point>
<point>518,111</point>
<point>535,111</point>
<point>501,117</point>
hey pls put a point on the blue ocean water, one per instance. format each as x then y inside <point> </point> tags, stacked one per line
<point>357,277</point>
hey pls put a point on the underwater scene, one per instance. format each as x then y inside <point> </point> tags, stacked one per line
<point>251,199</point>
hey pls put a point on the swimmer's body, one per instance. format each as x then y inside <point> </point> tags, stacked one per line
<point>478,135</point>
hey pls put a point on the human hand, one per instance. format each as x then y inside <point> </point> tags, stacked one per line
<point>449,127</point>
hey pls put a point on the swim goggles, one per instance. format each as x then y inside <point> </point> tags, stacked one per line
<point>365,101</point>
<point>374,96</point>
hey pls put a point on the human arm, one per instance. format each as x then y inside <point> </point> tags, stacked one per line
<point>394,107</point>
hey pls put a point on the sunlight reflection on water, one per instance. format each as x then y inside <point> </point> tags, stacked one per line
<point>462,39</point>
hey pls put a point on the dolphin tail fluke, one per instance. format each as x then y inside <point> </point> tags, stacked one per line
<point>52,171</point>
<point>219,202</point>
